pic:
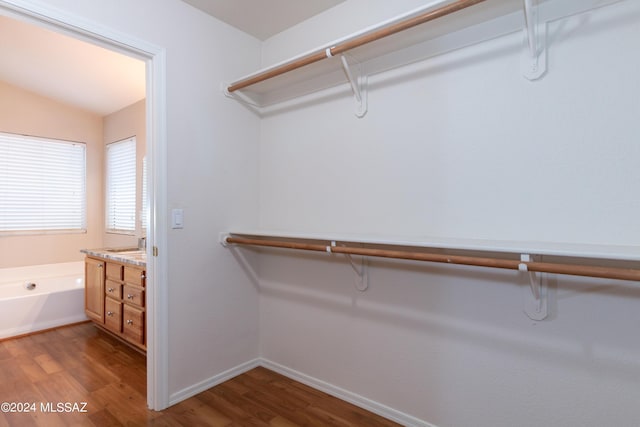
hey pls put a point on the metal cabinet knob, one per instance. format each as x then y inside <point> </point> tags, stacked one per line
<point>110,313</point>
<point>129,296</point>
<point>129,322</point>
<point>111,290</point>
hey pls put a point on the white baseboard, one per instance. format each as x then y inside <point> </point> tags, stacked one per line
<point>212,382</point>
<point>347,396</point>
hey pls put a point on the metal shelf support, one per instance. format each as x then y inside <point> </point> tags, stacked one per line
<point>535,302</point>
<point>358,85</point>
<point>534,56</point>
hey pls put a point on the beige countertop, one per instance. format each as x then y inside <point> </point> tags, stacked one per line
<point>133,256</point>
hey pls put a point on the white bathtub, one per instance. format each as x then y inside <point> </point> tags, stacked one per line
<point>56,300</point>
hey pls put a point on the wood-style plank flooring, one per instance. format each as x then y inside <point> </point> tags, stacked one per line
<point>79,363</point>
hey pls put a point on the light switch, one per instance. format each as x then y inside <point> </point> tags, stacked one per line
<point>177,218</point>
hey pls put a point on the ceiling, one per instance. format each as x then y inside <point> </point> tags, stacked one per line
<point>68,70</point>
<point>263,18</point>
<point>101,81</point>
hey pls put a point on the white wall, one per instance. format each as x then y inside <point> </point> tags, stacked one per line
<point>465,133</point>
<point>462,146</point>
<point>211,173</point>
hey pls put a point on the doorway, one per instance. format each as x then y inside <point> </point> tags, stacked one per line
<point>154,58</point>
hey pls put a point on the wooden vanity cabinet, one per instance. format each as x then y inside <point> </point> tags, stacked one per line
<point>121,298</point>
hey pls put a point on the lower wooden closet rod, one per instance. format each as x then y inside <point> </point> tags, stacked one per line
<point>533,266</point>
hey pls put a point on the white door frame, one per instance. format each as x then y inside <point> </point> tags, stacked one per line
<point>154,56</point>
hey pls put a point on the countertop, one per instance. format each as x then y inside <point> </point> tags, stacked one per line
<point>133,256</point>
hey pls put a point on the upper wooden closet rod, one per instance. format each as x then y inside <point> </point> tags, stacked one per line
<point>532,266</point>
<point>356,42</point>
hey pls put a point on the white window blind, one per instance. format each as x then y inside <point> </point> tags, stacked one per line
<point>121,187</point>
<point>42,185</point>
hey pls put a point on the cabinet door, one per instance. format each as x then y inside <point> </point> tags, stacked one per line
<point>94,289</point>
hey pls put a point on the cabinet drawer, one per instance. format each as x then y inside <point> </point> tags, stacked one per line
<point>113,315</point>
<point>133,325</point>
<point>133,295</point>
<point>114,271</point>
<point>113,289</point>
<point>135,276</point>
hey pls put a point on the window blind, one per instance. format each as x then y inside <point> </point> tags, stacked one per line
<point>42,185</point>
<point>121,187</point>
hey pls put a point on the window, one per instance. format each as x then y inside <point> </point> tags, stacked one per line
<point>121,187</point>
<point>42,185</point>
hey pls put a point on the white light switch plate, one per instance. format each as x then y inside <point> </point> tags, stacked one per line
<point>177,218</point>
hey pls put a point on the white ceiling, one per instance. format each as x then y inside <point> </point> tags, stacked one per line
<point>101,81</point>
<point>68,70</point>
<point>263,18</point>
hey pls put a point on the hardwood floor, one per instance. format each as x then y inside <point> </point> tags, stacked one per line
<point>51,375</point>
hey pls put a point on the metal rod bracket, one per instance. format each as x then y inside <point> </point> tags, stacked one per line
<point>535,298</point>
<point>534,54</point>
<point>358,85</point>
<point>222,238</point>
<point>362,273</point>
<point>241,98</point>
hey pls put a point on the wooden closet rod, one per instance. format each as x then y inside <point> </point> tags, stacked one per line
<point>533,266</point>
<point>356,42</point>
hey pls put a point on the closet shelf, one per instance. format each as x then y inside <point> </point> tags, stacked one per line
<point>557,249</point>
<point>436,28</point>
<point>429,14</point>
<point>530,259</point>
<point>466,252</point>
